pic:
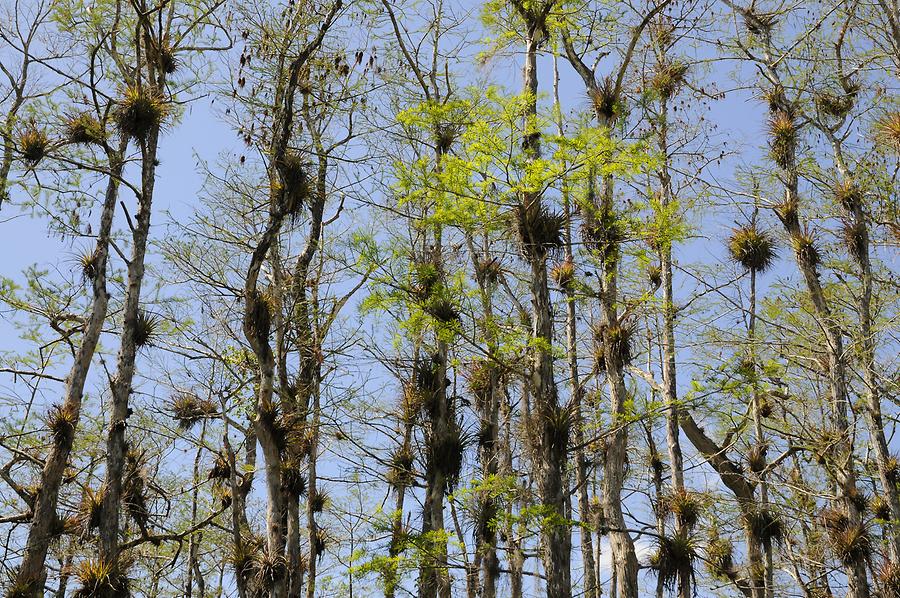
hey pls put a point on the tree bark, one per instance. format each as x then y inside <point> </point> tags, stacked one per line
<point>32,571</point>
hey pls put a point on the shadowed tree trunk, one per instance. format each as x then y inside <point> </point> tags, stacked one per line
<point>551,422</point>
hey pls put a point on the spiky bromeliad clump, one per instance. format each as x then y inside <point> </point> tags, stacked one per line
<point>321,542</point>
<point>764,525</point>
<point>62,420</point>
<point>850,543</point>
<point>556,426</point>
<point>834,105</point>
<point>268,568</point>
<point>63,526</point>
<point>257,317</point>
<point>293,480</point>
<point>654,276</point>
<point>788,211</point>
<point>442,308</point>
<point>604,234</point>
<point>296,188</point>
<point>783,138</point>
<point>848,194</point>
<point>887,131</point>
<point>775,98</point>
<point>478,379</point>
<point>141,110</point>
<point>539,229</point>
<point>892,465</point>
<point>488,270</point>
<point>33,143</point>
<point>685,506</point>
<point>88,262</point>
<point>604,99</point>
<point>102,579</point>
<point>759,23</point>
<point>668,78</point>
<point>166,59</point>
<point>243,555</point>
<point>855,238</point>
<point>756,457</point>
<point>400,472</point>
<point>889,579</point>
<point>446,453</point>
<point>84,128</point>
<point>221,468</point>
<point>674,559</point>
<point>19,588</point>
<point>89,510</point>
<point>719,557</point>
<point>805,248</point>
<point>752,248</point>
<point>881,508</point>
<point>134,493</point>
<point>319,500</point>
<point>445,135</point>
<point>563,274</point>
<point>613,341</point>
<point>146,328</point>
<point>189,409</point>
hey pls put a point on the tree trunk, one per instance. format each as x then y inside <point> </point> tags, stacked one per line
<point>120,386</point>
<point>552,432</point>
<point>32,571</point>
<point>676,461</point>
